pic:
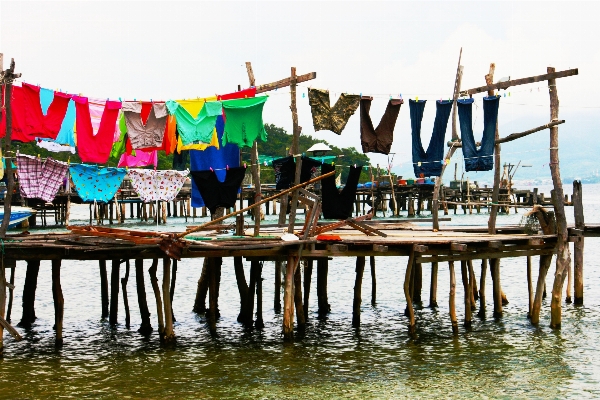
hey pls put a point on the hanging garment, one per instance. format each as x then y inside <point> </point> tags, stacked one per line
<point>140,159</point>
<point>482,159</point>
<point>378,140</point>
<point>243,121</point>
<point>330,118</point>
<point>157,185</point>
<point>40,179</point>
<point>35,122</point>
<point>217,158</point>
<point>1,165</point>
<point>429,163</point>
<point>338,204</point>
<point>169,143</point>
<point>219,194</point>
<point>66,134</point>
<point>181,160</point>
<point>149,133</point>
<point>285,171</point>
<point>96,184</point>
<point>51,145</point>
<point>95,148</point>
<point>122,145</point>
<point>199,128</point>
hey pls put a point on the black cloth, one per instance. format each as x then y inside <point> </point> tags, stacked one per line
<point>378,140</point>
<point>219,194</point>
<point>180,160</point>
<point>336,204</point>
<point>432,159</point>
<point>482,159</point>
<point>285,171</point>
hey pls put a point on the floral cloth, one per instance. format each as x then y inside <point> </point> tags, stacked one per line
<point>96,184</point>
<point>40,179</point>
<point>157,185</point>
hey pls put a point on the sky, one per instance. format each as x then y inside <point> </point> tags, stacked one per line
<point>173,50</point>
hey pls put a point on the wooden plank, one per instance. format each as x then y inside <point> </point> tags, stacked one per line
<point>458,246</point>
<point>267,87</point>
<point>468,256</point>
<point>419,248</point>
<point>514,136</point>
<point>13,332</point>
<point>521,81</point>
<point>380,248</point>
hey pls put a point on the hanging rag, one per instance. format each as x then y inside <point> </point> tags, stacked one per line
<point>243,121</point>
<point>16,108</point>
<point>219,194</point>
<point>96,184</point>
<point>431,160</point>
<point>482,159</point>
<point>378,140</point>
<point>199,128</point>
<point>285,171</point>
<point>40,179</point>
<point>1,165</point>
<point>95,148</point>
<point>66,134</point>
<point>140,159</point>
<point>145,134</point>
<point>339,204</point>
<point>157,185</point>
<point>330,118</point>
<point>181,160</point>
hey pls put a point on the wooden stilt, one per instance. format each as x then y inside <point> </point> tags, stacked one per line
<point>172,290</point>
<point>452,301</point>
<point>495,272</point>
<point>473,284</point>
<point>169,333</point>
<point>2,301</point>
<point>322,270</point>
<point>157,297</point>
<point>484,265</point>
<point>529,287</point>
<point>418,282</point>
<point>103,288</point>
<point>277,296</point>
<point>29,288</point>
<point>240,278</point>
<point>360,268</point>
<point>464,272</point>
<point>12,264</point>
<point>202,289</point>
<point>59,302</point>
<point>146,326</point>
<point>214,268</point>
<point>248,319</point>
<point>124,281</point>
<point>298,298</point>
<point>373,280</point>
<point>433,287</point>
<point>308,269</point>
<point>545,262</point>
<point>407,294</point>
<point>114,293</point>
<point>288,300</point>
<point>259,323</point>
<point>579,242</point>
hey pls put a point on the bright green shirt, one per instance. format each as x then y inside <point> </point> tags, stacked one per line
<point>195,129</point>
<point>243,121</point>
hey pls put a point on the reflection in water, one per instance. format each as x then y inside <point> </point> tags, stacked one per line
<point>507,358</point>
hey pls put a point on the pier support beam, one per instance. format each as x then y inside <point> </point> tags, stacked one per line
<point>277,294</point>
<point>146,326</point>
<point>114,292</point>
<point>298,298</point>
<point>288,300</point>
<point>103,288</point>
<point>31,275</point>
<point>259,323</point>
<point>124,281</point>
<point>529,287</point>
<point>202,288</point>
<point>214,282</point>
<point>322,270</point>
<point>59,302</point>
<point>452,298</point>
<point>308,268</point>
<point>157,298</point>
<point>408,294</point>
<point>484,266</point>
<point>578,246</point>
<point>12,265</point>
<point>464,272</point>
<point>545,262</point>
<point>497,288</point>
<point>360,268</point>
<point>169,333</point>
<point>433,286</point>
<point>373,281</point>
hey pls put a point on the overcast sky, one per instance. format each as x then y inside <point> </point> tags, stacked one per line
<point>170,50</point>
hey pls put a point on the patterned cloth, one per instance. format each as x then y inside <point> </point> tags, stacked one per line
<point>330,118</point>
<point>95,184</point>
<point>157,185</point>
<point>40,179</point>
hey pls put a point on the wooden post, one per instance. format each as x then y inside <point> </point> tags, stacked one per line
<point>124,281</point>
<point>484,265</point>
<point>172,289</point>
<point>156,290</point>
<point>59,302</point>
<point>240,278</point>
<point>146,326</point>
<point>308,269</point>
<point>418,282</point>
<point>545,261</point>
<point>288,300</point>
<point>259,323</point>
<point>214,268</point>
<point>295,150</point>
<point>114,292</point>
<point>255,163</point>
<point>529,287</point>
<point>2,302</point>
<point>473,284</point>
<point>248,313</point>
<point>489,78</point>
<point>360,268</point>
<point>452,299</point>
<point>495,272</point>
<point>103,288</point>
<point>298,298</point>
<point>29,288</point>
<point>464,272</point>
<point>169,334</point>
<point>578,246</point>
<point>407,294</point>
<point>322,270</point>
<point>563,253</point>
<point>433,287</point>
<point>373,281</point>
<point>12,264</point>
<point>202,288</point>
<point>277,295</point>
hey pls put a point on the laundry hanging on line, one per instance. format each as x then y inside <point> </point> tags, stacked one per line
<point>429,163</point>
<point>51,145</point>
<point>153,185</point>
<point>243,121</point>
<point>66,134</point>
<point>148,133</point>
<point>140,159</point>
<point>285,171</point>
<point>195,128</point>
<point>40,179</point>
<point>326,117</point>
<point>96,184</point>
<point>482,159</point>
<point>378,140</point>
<point>339,204</point>
<point>216,193</point>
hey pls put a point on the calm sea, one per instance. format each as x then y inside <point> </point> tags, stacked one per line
<point>507,358</point>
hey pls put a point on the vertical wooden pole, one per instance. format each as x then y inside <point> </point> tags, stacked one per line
<point>146,326</point>
<point>255,163</point>
<point>124,281</point>
<point>169,333</point>
<point>157,298</point>
<point>373,281</point>
<point>249,301</point>
<point>114,292</point>
<point>360,268</point>
<point>577,200</point>
<point>103,288</point>
<point>259,323</point>
<point>418,282</point>
<point>433,287</point>
<point>214,267</point>
<point>489,79</point>
<point>308,269</point>
<point>277,294</point>
<point>12,264</point>
<point>529,287</point>
<point>29,288</point>
<point>172,289</point>
<point>298,298</point>
<point>59,302</point>
<point>452,299</point>
<point>464,272</point>
<point>495,272</point>
<point>484,265</point>
<point>408,295</point>
<point>545,261</point>
<point>473,284</point>
<point>2,301</point>
<point>288,300</point>
<point>295,150</point>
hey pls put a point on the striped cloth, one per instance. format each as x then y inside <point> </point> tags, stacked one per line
<point>40,179</point>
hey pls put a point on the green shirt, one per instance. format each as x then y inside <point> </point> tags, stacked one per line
<point>243,121</point>
<point>195,129</point>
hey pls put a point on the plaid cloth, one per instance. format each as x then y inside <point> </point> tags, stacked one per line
<point>39,179</point>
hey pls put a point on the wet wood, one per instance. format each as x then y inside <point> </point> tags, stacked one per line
<point>496,188</point>
<point>2,302</point>
<point>360,268</point>
<point>159,307</point>
<point>202,288</point>
<point>433,286</point>
<point>248,318</point>
<point>452,298</point>
<point>172,289</point>
<point>298,298</point>
<point>31,275</point>
<point>473,283</point>
<point>242,285</point>
<point>464,272</point>
<point>550,76</point>
<point>545,262</point>
<point>259,323</point>
<point>11,264</point>
<point>214,275</point>
<point>407,294</point>
<point>418,282</point>
<point>322,272</point>
<point>373,281</point>
<point>114,292</point>
<point>146,326</point>
<point>484,265</point>
<point>277,294</point>
<point>4,324</point>
<point>169,332</point>
<point>103,288</point>
<point>497,289</point>
<point>59,302</point>
<point>288,300</point>
<point>578,246</point>
<point>124,281</point>
<point>308,269</point>
<point>529,287</point>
